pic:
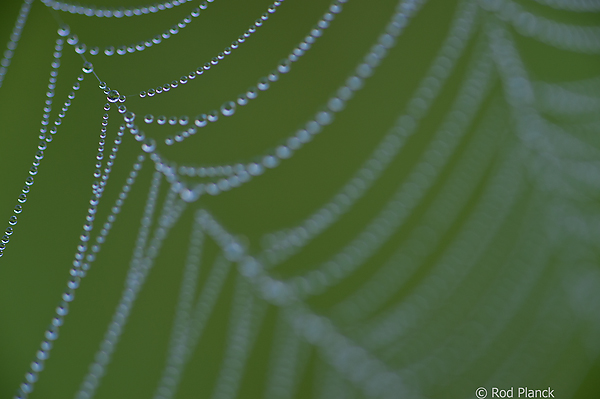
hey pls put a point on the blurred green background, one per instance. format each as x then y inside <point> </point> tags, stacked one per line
<point>34,269</point>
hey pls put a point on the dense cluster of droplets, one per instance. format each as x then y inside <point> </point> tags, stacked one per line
<point>215,60</point>
<point>83,48</point>
<point>366,371</point>
<point>241,173</point>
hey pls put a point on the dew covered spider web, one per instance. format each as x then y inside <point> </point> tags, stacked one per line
<point>318,199</point>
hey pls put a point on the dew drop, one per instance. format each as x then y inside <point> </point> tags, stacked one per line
<point>80,48</point>
<point>18,209</point>
<point>113,96</point>
<point>228,108</point>
<point>12,220</point>
<point>263,84</point>
<point>283,152</point>
<point>255,169</point>
<point>148,145</point>
<point>324,118</point>
<point>64,30</point>
<point>270,161</point>
<point>242,99</point>
<point>161,120</point>
<point>213,116</point>
<point>129,116</point>
<point>252,93</point>
<point>149,118</point>
<point>284,66</point>
<point>201,120</point>
<point>87,67</point>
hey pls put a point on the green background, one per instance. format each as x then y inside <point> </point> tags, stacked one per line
<point>34,269</point>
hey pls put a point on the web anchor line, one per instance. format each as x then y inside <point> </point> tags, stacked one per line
<point>46,136</point>
<point>81,265</point>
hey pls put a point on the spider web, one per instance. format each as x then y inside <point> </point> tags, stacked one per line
<point>342,200</point>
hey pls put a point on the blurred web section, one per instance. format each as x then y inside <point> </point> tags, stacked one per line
<point>492,231</point>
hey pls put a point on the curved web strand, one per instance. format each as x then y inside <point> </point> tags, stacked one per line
<point>356,364</point>
<point>552,326</point>
<point>247,316</point>
<point>111,12</point>
<point>289,357</point>
<point>584,39</point>
<point>46,137</point>
<point>178,342</point>
<point>404,12</point>
<point>229,107</point>
<point>81,265</point>
<point>121,50</point>
<point>142,261</point>
<point>408,194</point>
<point>181,351</point>
<point>572,5</point>
<point>560,101</point>
<point>15,36</point>
<point>284,243</point>
<point>589,87</point>
<point>566,175</point>
<point>449,271</point>
<point>518,277</point>
<point>438,219</point>
<point>508,259</point>
<point>263,82</point>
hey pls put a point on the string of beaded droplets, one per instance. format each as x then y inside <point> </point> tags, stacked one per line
<point>119,12</point>
<point>573,5</point>
<point>11,46</point>
<point>45,138</point>
<point>245,172</point>
<point>142,261</point>
<point>277,245</point>
<point>208,65</point>
<point>82,48</point>
<point>583,39</point>
<point>77,272</point>
<point>229,107</point>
